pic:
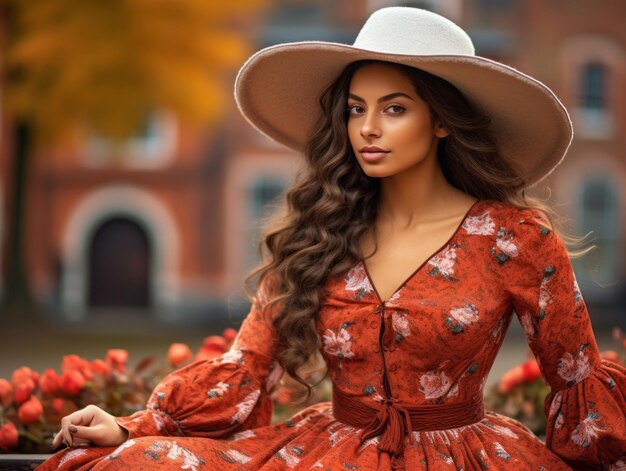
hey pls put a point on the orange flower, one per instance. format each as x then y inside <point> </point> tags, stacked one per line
<point>511,379</point>
<point>214,342</point>
<point>57,405</point>
<point>73,362</point>
<point>100,366</point>
<point>530,370</point>
<point>49,382</point>
<point>229,335</point>
<point>6,392</point>
<point>30,411</point>
<point>24,374</point>
<point>8,437</point>
<point>76,363</point>
<point>24,390</point>
<point>72,382</point>
<point>117,358</point>
<point>212,347</point>
<point>178,353</point>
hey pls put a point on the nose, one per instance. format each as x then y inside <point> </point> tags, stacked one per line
<point>370,126</point>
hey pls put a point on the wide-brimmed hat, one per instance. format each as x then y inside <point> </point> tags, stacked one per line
<point>278,89</point>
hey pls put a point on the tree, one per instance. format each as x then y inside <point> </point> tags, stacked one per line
<point>77,68</point>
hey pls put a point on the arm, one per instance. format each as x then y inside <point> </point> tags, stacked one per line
<point>215,398</point>
<point>208,398</point>
<point>586,407</point>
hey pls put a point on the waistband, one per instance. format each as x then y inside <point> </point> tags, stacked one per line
<point>392,419</point>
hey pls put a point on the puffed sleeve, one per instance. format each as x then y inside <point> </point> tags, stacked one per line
<point>218,397</point>
<point>586,406</point>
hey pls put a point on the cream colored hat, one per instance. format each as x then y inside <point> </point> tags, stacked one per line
<point>278,88</point>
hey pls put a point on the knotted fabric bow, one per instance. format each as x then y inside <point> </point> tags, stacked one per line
<point>392,420</point>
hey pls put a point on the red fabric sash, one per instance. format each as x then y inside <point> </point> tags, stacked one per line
<point>392,419</point>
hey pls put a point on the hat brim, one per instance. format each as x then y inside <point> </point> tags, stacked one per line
<point>278,89</point>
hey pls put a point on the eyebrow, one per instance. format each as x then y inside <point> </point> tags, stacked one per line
<point>382,98</point>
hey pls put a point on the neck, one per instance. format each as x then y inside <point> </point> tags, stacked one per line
<point>418,194</point>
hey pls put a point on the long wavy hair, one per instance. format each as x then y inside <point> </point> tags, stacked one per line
<point>333,203</point>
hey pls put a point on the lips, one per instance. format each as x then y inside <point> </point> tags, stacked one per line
<point>374,149</point>
<point>373,153</point>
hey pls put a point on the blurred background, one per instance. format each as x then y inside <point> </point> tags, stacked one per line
<point>131,188</point>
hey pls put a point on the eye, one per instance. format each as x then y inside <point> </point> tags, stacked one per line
<point>355,109</point>
<point>396,109</point>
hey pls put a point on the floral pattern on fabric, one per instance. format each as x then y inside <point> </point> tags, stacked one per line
<point>400,325</point>
<point>587,431</point>
<point>461,317</point>
<point>479,225</point>
<point>574,369</point>
<point>338,344</point>
<point>174,455</point>
<point>443,263</point>
<point>358,282</point>
<point>447,323</point>
<point>505,248</point>
<point>435,384</point>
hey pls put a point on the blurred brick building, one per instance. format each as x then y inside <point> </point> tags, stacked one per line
<point>167,226</point>
<point>164,226</point>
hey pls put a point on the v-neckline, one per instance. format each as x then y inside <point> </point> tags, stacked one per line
<point>428,259</point>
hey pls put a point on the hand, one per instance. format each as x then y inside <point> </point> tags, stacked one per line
<point>90,424</point>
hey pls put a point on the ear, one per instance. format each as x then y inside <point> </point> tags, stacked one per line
<point>440,131</point>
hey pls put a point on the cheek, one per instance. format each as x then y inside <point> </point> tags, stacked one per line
<point>412,133</point>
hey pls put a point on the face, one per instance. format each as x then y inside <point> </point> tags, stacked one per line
<point>390,127</point>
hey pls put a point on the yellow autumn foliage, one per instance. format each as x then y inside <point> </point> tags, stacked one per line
<point>105,64</point>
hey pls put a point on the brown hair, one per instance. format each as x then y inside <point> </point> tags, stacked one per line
<point>333,204</point>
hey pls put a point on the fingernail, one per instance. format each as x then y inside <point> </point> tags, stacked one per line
<point>73,429</point>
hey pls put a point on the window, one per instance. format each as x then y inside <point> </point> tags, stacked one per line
<point>152,146</point>
<point>593,114</point>
<point>598,212</point>
<point>593,88</point>
<point>292,21</point>
<point>264,193</point>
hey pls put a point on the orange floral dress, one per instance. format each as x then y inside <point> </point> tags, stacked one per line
<point>447,320</point>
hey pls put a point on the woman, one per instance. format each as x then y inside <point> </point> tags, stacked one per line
<point>405,248</point>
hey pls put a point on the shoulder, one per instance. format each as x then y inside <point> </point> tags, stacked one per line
<point>507,215</point>
<point>526,235</point>
<point>528,230</point>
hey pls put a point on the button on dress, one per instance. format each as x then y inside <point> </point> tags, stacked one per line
<point>441,330</point>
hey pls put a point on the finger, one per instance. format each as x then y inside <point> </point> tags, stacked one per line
<point>86,433</point>
<point>56,441</point>
<point>83,416</point>
<point>67,437</point>
<point>81,442</point>
<point>80,417</point>
<point>65,433</point>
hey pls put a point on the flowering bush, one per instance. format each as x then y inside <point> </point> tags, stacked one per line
<point>521,391</point>
<point>32,405</point>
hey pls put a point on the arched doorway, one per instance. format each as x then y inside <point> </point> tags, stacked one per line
<point>119,265</point>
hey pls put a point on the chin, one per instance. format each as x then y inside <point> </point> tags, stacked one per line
<point>375,172</point>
